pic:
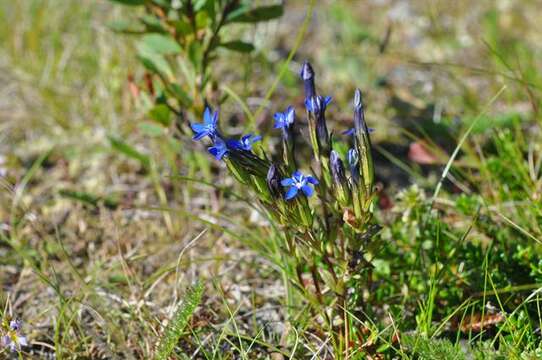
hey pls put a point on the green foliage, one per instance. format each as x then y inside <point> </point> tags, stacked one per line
<point>178,322</point>
<point>179,41</point>
<point>129,151</point>
<point>428,349</point>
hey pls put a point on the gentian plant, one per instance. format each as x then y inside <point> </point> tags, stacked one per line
<point>325,215</point>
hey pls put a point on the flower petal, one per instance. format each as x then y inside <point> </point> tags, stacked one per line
<point>200,135</point>
<point>287,182</point>
<point>207,116</point>
<point>312,180</point>
<point>307,190</point>
<point>234,144</point>
<point>197,127</point>
<point>292,192</point>
<point>215,118</point>
<point>22,341</point>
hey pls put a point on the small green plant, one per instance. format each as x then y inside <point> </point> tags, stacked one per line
<point>178,322</point>
<point>327,238</point>
<point>178,43</point>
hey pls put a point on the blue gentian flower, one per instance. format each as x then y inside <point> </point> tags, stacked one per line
<point>352,131</point>
<point>317,104</point>
<point>208,127</point>
<point>286,119</point>
<point>297,182</point>
<point>219,148</point>
<point>245,143</point>
<point>13,339</point>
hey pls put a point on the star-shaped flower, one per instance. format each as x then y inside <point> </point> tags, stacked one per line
<point>285,119</point>
<point>208,127</point>
<point>317,104</point>
<point>297,182</point>
<point>245,143</point>
<point>219,148</point>
<point>13,338</point>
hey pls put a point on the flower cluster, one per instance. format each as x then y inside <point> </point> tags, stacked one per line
<point>252,169</point>
<point>12,338</point>
<point>326,216</point>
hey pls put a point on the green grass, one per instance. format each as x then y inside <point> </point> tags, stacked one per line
<point>105,222</point>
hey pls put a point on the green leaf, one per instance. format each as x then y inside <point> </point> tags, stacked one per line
<point>161,114</point>
<point>129,2</point>
<point>124,148</point>
<point>239,46</point>
<point>199,4</point>
<point>182,27</point>
<point>153,24</point>
<point>88,198</point>
<point>151,129</point>
<point>178,92</point>
<point>156,64</point>
<point>126,27</point>
<point>175,327</point>
<point>159,44</point>
<point>263,13</point>
<point>195,54</point>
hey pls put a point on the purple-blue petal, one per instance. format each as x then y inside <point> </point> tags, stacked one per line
<point>287,182</point>
<point>312,180</point>
<point>215,118</point>
<point>200,135</point>
<point>297,173</point>
<point>234,144</point>
<point>207,116</point>
<point>307,190</point>
<point>292,192</point>
<point>197,127</point>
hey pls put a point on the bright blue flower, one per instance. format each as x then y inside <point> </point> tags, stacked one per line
<point>352,131</point>
<point>317,104</point>
<point>245,143</point>
<point>286,119</point>
<point>208,127</point>
<point>219,148</point>
<point>297,182</point>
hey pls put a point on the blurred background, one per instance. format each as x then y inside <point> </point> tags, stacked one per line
<point>101,201</point>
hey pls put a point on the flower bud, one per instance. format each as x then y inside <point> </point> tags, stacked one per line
<point>353,163</point>
<point>273,181</point>
<point>337,168</point>
<point>307,75</point>
<point>340,182</point>
<point>363,143</point>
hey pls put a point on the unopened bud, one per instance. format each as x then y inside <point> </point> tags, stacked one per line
<point>273,181</point>
<point>337,168</point>
<point>307,74</point>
